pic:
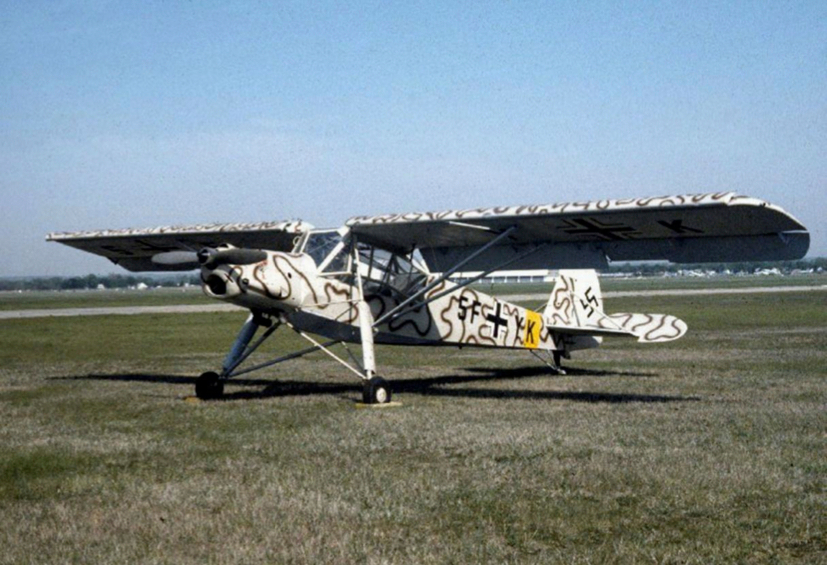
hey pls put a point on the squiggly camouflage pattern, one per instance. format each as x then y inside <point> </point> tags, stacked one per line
<point>295,227</point>
<point>286,283</point>
<point>561,208</point>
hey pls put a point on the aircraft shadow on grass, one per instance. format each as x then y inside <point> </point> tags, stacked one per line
<point>426,386</point>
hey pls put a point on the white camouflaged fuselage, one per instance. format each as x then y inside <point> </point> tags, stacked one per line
<point>288,285</point>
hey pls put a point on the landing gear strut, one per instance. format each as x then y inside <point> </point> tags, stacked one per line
<point>210,385</point>
<point>376,390</point>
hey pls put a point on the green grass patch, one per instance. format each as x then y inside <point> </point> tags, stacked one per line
<point>100,299</point>
<point>38,474</point>
<point>704,450</point>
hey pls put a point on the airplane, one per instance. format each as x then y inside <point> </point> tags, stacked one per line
<point>388,279</point>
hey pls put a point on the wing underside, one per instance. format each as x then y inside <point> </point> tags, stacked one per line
<point>134,249</point>
<point>715,227</point>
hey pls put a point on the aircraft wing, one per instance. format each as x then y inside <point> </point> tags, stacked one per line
<point>696,228</point>
<point>134,249</point>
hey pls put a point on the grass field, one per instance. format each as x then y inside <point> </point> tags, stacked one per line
<point>101,299</point>
<point>710,449</point>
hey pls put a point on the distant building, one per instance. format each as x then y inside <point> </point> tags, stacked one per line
<point>498,277</point>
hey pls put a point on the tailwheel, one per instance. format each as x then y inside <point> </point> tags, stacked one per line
<point>209,386</point>
<point>376,391</point>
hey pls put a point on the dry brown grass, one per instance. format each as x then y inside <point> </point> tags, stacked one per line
<point>707,450</point>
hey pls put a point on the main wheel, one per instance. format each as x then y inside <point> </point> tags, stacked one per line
<point>209,386</point>
<point>376,391</point>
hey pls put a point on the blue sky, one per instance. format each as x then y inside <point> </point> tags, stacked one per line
<point>138,114</point>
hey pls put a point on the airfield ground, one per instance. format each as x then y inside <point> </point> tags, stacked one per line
<point>710,449</point>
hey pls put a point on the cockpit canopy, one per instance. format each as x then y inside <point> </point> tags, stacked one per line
<point>327,248</point>
<point>382,271</point>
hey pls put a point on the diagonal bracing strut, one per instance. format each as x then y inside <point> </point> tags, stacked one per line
<point>427,288</point>
<point>472,280</point>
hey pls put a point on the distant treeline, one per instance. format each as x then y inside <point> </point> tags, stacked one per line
<point>91,282</point>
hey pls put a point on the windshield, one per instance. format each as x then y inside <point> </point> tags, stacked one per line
<point>321,244</point>
<point>390,272</point>
<point>383,271</point>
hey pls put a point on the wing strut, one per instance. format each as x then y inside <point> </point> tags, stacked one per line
<point>437,296</point>
<point>472,280</point>
<point>287,357</point>
<point>427,288</point>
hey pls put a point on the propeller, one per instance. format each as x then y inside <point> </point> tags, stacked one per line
<point>209,258</point>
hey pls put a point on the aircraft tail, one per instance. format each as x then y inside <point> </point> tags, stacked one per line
<point>576,299</point>
<point>576,307</point>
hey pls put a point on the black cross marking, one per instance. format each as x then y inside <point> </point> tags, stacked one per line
<point>594,227</point>
<point>678,227</point>
<point>497,320</point>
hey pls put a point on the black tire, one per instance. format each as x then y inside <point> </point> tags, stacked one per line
<point>376,391</point>
<point>209,386</point>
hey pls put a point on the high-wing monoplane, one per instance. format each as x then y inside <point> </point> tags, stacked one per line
<point>389,279</point>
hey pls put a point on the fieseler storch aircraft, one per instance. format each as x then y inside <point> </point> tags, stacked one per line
<point>388,279</point>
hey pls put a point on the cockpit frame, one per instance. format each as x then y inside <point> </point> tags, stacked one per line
<point>383,271</point>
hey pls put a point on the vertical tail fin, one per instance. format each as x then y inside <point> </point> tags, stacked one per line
<point>576,299</point>
<point>576,303</point>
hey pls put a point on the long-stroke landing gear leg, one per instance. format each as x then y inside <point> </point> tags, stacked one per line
<point>376,389</point>
<point>210,385</point>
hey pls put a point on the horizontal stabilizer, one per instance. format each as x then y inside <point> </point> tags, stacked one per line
<point>596,331</point>
<point>648,328</point>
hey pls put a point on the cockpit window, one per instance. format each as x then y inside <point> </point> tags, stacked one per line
<point>382,271</point>
<point>385,271</point>
<point>319,244</point>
